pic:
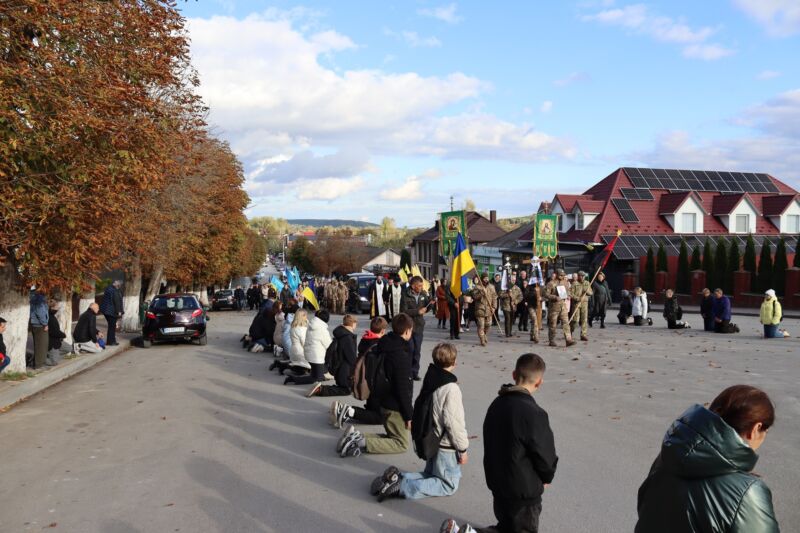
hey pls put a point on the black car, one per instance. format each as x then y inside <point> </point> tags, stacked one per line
<point>358,300</point>
<point>223,300</point>
<point>174,317</point>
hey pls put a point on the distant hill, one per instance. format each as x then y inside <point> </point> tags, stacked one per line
<point>336,223</point>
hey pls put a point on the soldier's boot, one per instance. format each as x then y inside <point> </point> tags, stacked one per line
<point>571,342</point>
<point>602,323</point>
<point>584,338</point>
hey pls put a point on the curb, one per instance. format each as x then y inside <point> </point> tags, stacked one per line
<point>23,390</point>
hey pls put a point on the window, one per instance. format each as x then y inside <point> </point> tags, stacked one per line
<point>579,221</point>
<point>792,224</point>
<point>560,223</point>
<point>742,223</point>
<point>689,223</point>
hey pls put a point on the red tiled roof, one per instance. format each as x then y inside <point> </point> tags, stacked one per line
<point>479,230</point>
<point>725,203</point>
<point>590,206</point>
<point>567,201</point>
<point>671,202</point>
<point>774,206</point>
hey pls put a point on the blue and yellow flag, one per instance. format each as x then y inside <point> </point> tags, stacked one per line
<point>308,294</point>
<point>462,266</point>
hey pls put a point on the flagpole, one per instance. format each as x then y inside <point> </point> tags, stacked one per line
<point>597,273</point>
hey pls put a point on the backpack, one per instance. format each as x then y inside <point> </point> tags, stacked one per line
<point>369,375</point>
<point>333,359</point>
<point>426,442</point>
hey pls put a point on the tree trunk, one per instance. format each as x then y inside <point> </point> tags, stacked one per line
<point>130,299</point>
<point>204,295</point>
<point>87,297</point>
<point>155,282</point>
<point>15,308</point>
<point>64,314</point>
<point>172,287</point>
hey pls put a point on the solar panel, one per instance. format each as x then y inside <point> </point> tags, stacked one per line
<point>699,180</point>
<point>625,210</point>
<point>636,194</point>
<point>632,172</point>
<point>639,182</point>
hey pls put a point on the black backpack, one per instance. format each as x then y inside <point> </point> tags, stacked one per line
<point>426,442</point>
<point>333,359</point>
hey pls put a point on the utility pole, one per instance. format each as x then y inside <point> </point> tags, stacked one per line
<point>451,202</point>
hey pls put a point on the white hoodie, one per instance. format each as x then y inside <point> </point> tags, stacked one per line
<point>296,354</point>
<point>317,341</point>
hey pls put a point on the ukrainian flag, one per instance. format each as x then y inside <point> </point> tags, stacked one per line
<point>462,266</point>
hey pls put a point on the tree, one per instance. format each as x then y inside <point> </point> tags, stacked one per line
<point>749,263</point>
<point>469,205</point>
<point>779,268</point>
<point>734,263</point>
<point>300,255</point>
<point>271,229</point>
<point>661,258</point>
<point>405,259</point>
<point>765,267</point>
<point>721,264</point>
<point>387,228</point>
<point>650,271</point>
<point>796,261</point>
<point>697,262</point>
<point>708,264</point>
<point>684,280</point>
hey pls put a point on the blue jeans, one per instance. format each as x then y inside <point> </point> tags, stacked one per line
<point>5,362</point>
<point>771,332</point>
<point>440,477</point>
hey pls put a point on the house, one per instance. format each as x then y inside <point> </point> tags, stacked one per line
<point>515,245</point>
<point>425,247</point>
<point>382,260</point>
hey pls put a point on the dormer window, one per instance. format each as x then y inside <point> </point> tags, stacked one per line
<point>742,223</point>
<point>579,221</point>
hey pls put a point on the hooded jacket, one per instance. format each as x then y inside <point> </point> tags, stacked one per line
<point>771,312</point>
<point>672,309</point>
<point>397,365</point>
<point>448,408</point>
<point>318,338</point>
<point>346,346</point>
<point>640,305</point>
<point>86,328</point>
<point>721,308</point>
<point>296,353</point>
<point>411,304</point>
<point>702,482</point>
<point>277,336</point>
<point>519,450</point>
<point>367,340</point>
<point>40,314</point>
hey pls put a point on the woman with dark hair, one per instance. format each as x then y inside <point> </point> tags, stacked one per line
<point>702,480</point>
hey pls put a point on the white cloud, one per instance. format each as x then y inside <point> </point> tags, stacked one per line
<point>444,13</point>
<point>768,75</point>
<point>328,188</point>
<point>413,39</point>
<point>546,107</point>
<point>410,189</point>
<point>306,166</point>
<point>571,78</point>
<point>638,19</point>
<point>780,18</point>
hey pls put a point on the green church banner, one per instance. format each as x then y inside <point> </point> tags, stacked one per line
<point>451,224</point>
<point>545,237</point>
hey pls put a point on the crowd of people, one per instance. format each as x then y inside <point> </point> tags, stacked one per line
<point>685,486</point>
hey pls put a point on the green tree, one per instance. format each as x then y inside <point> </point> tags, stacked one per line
<point>405,259</point>
<point>684,281</point>
<point>779,268</point>
<point>734,262</point>
<point>796,261</point>
<point>661,258</point>
<point>650,271</point>
<point>301,255</point>
<point>708,264</point>
<point>387,228</point>
<point>721,264</point>
<point>749,263</point>
<point>765,267</point>
<point>469,205</point>
<point>697,261</point>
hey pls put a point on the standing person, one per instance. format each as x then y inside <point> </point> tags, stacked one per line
<point>415,304</point>
<point>771,314</point>
<point>111,307</point>
<point>533,302</point>
<point>625,307</point>
<point>640,308</point>
<point>378,294</point>
<point>557,294</point>
<point>394,297</point>
<point>394,397</point>
<point>580,291</point>
<point>343,362</point>
<point>449,435</point>
<point>39,317</point>
<point>252,297</point>
<point>522,308</point>
<point>673,312</point>
<point>483,301</point>
<point>721,310</point>
<point>509,300</point>
<point>239,297</point>
<point>519,457</point>
<point>343,294</point>
<point>454,311</point>
<point>702,480</point>
<point>86,333</point>
<point>522,278</point>
<point>5,360</point>
<point>442,308</point>
<point>497,282</point>
<point>286,294</point>
<point>55,345</point>
<point>318,338</point>
<point>601,299</point>
<point>707,310</point>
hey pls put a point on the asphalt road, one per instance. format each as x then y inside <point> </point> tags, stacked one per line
<point>195,439</point>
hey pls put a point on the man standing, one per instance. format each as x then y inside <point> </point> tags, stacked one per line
<point>39,317</point>
<point>580,292</point>
<point>601,299</point>
<point>378,293</point>
<point>484,298</point>
<point>415,304</point>
<point>86,334</point>
<point>557,293</point>
<point>394,297</point>
<point>533,302</point>
<point>509,300</point>
<point>111,307</point>
<point>497,282</point>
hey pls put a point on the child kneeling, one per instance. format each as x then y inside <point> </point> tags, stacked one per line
<point>448,450</point>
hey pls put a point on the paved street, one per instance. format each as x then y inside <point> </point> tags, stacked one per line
<point>194,439</point>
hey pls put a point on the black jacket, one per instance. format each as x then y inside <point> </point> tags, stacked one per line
<point>519,453</point>
<point>346,346</point>
<point>54,333</point>
<point>263,326</point>
<point>672,309</point>
<point>86,328</point>
<point>707,307</point>
<point>366,343</point>
<point>397,364</point>
<point>601,296</point>
<point>626,306</point>
<point>531,298</point>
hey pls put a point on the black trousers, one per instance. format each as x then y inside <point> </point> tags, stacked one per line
<point>522,312</point>
<point>508,319</point>
<point>111,334</point>
<point>416,346</point>
<point>514,517</point>
<point>370,414</point>
<point>317,374</point>
<point>334,390</point>
<point>455,321</point>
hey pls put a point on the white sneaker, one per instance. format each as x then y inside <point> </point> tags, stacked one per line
<point>328,376</point>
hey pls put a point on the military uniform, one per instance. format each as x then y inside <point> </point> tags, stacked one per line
<point>509,300</point>
<point>343,293</point>
<point>580,292</point>
<point>533,299</point>
<point>557,309</point>
<point>483,297</point>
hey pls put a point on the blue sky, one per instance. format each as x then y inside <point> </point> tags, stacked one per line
<point>364,109</point>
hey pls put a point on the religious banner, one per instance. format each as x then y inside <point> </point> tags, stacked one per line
<point>545,237</point>
<point>450,225</point>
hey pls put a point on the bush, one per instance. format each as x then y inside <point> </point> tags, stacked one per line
<point>661,258</point>
<point>734,262</point>
<point>721,264</point>
<point>749,263</point>
<point>779,268</point>
<point>765,267</point>
<point>684,281</point>
<point>708,264</point>
<point>697,261</point>
<point>650,271</point>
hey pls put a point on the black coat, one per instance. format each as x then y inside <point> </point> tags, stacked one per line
<point>366,343</point>
<point>397,364</point>
<point>707,307</point>
<point>263,326</point>
<point>346,346</point>
<point>626,306</point>
<point>672,309</point>
<point>601,297</point>
<point>86,328</point>
<point>54,333</point>
<point>519,453</point>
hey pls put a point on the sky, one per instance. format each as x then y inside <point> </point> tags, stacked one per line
<point>363,109</point>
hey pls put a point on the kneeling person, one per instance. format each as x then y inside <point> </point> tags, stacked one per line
<point>343,361</point>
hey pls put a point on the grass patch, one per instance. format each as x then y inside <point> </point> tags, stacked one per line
<point>16,376</point>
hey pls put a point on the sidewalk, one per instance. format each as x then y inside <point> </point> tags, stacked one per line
<point>13,392</point>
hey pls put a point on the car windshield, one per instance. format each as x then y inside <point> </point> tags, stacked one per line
<point>177,303</point>
<point>223,294</point>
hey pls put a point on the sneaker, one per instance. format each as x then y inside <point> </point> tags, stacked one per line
<point>375,486</point>
<point>351,449</point>
<point>314,389</point>
<point>391,484</point>
<point>340,414</point>
<point>345,435</point>
<point>332,413</point>
<point>449,526</point>
<point>50,362</point>
<point>328,376</point>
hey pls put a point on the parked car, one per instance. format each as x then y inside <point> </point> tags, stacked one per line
<point>174,317</point>
<point>223,300</point>
<point>358,302</point>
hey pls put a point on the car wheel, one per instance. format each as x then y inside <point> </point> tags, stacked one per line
<point>202,341</point>
<point>146,343</point>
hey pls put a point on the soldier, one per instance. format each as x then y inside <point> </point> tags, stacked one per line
<point>509,300</point>
<point>343,294</point>
<point>483,297</point>
<point>557,307</point>
<point>533,299</point>
<point>579,292</point>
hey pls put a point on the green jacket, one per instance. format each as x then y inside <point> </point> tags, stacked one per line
<point>771,312</point>
<point>701,482</point>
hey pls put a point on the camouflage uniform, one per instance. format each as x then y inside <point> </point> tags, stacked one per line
<point>533,297</point>
<point>580,292</point>
<point>557,309</point>
<point>484,297</point>
<point>509,300</point>
<point>342,294</point>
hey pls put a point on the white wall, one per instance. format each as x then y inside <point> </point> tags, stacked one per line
<point>743,208</point>
<point>568,219</point>
<point>793,209</point>
<point>689,206</point>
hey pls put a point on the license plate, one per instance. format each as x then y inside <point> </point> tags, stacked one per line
<point>173,330</point>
